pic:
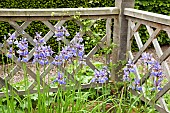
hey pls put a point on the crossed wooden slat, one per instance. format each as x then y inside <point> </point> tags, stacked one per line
<point>17,68</point>
<point>162,56</point>
<point>52,30</point>
<point>20,31</point>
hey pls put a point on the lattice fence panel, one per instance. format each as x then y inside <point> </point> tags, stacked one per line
<point>153,30</point>
<point>20,31</point>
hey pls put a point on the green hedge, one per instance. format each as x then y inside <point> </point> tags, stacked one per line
<point>157,6</point>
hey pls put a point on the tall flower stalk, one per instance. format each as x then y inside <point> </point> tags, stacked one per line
<point>149,64</point>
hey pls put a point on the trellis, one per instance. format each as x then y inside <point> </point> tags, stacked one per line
<point>154,24</point>
<point>127,23</point>
<point>44,15</point>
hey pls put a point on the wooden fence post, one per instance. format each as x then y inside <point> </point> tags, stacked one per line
<point>120,36</point>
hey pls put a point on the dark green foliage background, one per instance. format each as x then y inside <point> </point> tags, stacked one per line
<point>157,6</point>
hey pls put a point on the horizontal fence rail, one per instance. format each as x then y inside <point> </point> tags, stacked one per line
<point>59,13</point>
<point>154,23</point>
<point>62,15</point>
<point>148,16</point>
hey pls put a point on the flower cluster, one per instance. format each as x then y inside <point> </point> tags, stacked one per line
<point>128,70</point>
<point>10,52</point>
<point>23,50</point>
<point>22,45</point>
<point>101,76</point>
<point>11,40</point>
<point>42,52</point>
<point>157,75</point>
<point>38,39</point>
<point>152,65</point>
<point>60,32</point>
<point>156,70</point>
<point>69,52</point>
<point>147,60</point>
<point>60,78</point>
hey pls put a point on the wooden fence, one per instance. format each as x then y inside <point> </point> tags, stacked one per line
<point>155,23</point>
<point>127,22</point>
<point>62,15</point>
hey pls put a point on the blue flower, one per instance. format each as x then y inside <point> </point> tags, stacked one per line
<point>147,58</point>
<point>130,68</point>
<point>60,32</point>
<point>42,52</point>
<point>58,60</point>
<point>100,76</point>
<point>126,74</point>
<point>157,74</point>
<point>11,38</point>
<point>78,38</point>
<point>10,52</point>
<point>38,39</point>
<point>137,85</point>
<point>23,50</point>
<point>60,78</point>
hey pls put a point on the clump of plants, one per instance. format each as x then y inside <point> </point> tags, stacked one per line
<point>68,81</point>
<point>148,66</point>
<point>69,96</point>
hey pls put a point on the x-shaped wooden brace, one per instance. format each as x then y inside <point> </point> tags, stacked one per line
<point>153,35</point>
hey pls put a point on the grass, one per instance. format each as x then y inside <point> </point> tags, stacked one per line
<point>110,98</point>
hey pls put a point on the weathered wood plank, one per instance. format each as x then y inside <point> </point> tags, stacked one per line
<point>12,72</point>
<point>31,73</point>
<point>136,34</point>
<point>163,104</point>
<point>51,32</point>
<point>129,41</point>
<point>163,91</point>
<point>11,88</point>
<point>165,55</point>
<point>122,27</point>
<point>136,27</point>
<point>158,107</point>
<point>154,35</point>
<point>59,12</point>
<point>52,28</point>
<point>108,39</point>
<point>152,24</point>
<point>90,64</point>
<point>6,19</point>
<point>168,32</point>
<point>159,52</point>
<point>149,16</point>
<point>64,88</point>
<point>95,49</point>
<point>21,31</point>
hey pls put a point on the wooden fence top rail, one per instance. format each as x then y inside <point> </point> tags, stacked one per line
<point>149,16</point>
<point>59,12</point>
